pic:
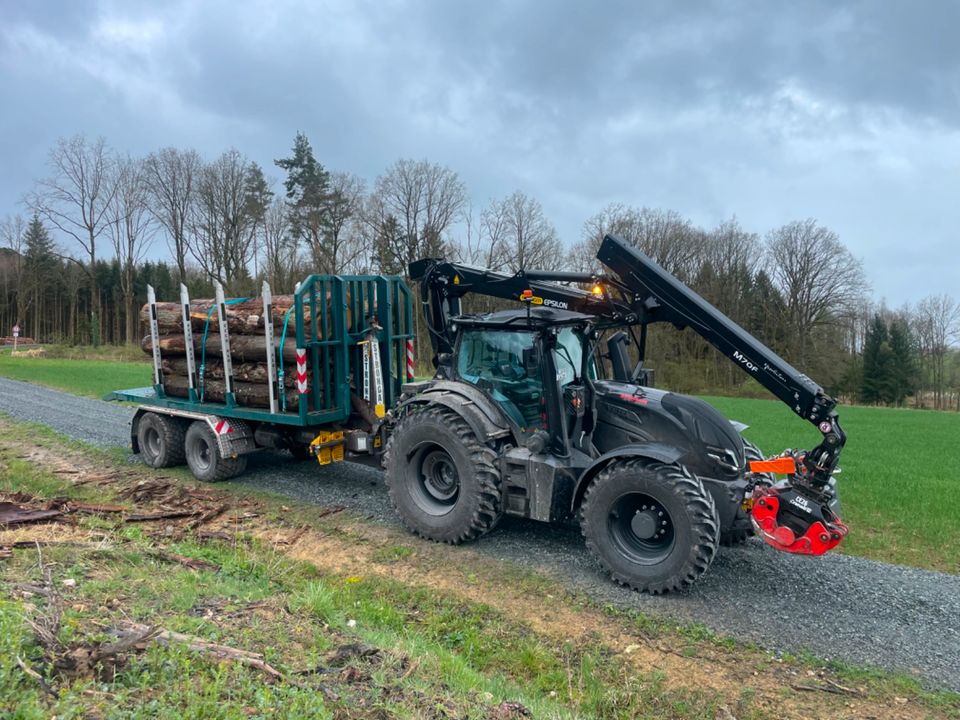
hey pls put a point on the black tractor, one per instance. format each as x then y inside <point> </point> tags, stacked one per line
<point>538,412</point>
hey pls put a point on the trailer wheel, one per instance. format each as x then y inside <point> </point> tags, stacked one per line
<point>652,526</point>
<point>161,440</point>
<point>742,528</point>
<point>442,479</point>
<point>203,455</point>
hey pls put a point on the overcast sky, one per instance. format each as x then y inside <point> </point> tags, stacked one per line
<point>848,113</point>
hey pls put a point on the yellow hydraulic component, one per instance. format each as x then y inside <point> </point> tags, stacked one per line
<point>328,447</point>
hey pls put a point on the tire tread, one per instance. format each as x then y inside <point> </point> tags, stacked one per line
<point>700,506</point>
<point>489,508</point>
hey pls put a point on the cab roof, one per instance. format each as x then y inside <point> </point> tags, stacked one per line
<point>517,319</point>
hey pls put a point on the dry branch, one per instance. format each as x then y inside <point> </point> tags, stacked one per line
<point>170,515</point>
<point>222,652</point>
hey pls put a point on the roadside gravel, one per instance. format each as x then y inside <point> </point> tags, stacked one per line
<point>837,607</point>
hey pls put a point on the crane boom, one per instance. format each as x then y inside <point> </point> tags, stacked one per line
<point>637,291</point>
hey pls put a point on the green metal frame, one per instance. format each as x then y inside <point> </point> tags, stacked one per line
<point>342,309</point>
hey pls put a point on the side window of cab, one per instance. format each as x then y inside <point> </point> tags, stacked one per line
<point>497,361</point>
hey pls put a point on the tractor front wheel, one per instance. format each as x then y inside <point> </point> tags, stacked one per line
<point>653,526</point>
<point>442,479</point>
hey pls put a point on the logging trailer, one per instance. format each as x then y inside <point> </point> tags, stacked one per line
<point>536,412</point>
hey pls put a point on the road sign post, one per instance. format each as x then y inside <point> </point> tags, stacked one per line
<point>16,334</point>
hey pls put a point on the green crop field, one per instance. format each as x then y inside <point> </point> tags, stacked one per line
<point>901,468</point>
<point>81,371</point>
<point>901,473</point>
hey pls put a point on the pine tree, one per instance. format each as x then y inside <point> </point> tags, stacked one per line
<point>40,270</point>
<point>309,197</point>
<point>903,371</point>
<point>878,368</point>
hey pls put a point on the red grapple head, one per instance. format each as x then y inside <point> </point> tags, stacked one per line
<point>819,537</point>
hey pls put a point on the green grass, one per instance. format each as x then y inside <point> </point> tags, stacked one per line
<point>901,472</point>
<point>80,370</point>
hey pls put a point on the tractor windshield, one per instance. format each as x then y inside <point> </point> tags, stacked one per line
<point>500,362</point>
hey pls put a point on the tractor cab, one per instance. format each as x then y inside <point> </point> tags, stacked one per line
<point>535,365</point>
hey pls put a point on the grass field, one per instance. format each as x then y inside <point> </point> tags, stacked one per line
<point>83,371</point>
<point>901,468</point>
<point>901,474</point>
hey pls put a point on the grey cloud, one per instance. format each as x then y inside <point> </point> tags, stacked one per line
<point>770,111</point>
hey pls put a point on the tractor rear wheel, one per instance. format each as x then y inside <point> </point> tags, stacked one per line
<point>653,526</point>
<point>442,479</point>
<point>160,439</point>
<point>203,455</point>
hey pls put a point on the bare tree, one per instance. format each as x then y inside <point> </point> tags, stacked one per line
<point>280,247</point>
<point>171,176</point>
<point>342,248</point>
<point>734,256</point>
<point>819,279</point>
<point>664,235</point>
<point>232,199</point>
<point>520,235</point>
<point>132,228</point>
<point>425,199</point>
<point>938,324</point>
<point>75,199</point>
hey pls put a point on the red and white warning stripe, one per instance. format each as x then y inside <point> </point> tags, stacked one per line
<point>223,427</point>
<point>301,371</point>
<point>409,359</point>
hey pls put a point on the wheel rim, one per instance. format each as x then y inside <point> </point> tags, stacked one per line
<point>641,528</point>
<point>203,453</point>
<point>436,482</point>
<point>152,442</point>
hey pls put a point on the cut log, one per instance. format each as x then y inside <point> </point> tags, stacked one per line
<point>243,348</point>
<point>251,372</point>
<point>245,318</point>
<point>248,394</point>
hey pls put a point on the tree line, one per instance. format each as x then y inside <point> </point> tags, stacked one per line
<point>75,266</point>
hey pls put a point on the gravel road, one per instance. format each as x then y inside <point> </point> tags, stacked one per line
<point>837,607</point>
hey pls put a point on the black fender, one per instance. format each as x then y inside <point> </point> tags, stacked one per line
<point>661,452</point>
<point>481,414</point>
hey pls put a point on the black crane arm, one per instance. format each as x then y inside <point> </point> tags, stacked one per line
<point>637,291</point>
<point>444,283</point>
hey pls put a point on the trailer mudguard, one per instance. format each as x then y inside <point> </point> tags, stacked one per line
<point>234,436</point>
<point>661,452</point>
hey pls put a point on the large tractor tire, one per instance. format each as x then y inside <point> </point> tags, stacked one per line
<point>653,526</point>
<point>203,455</point>
<point>442,479</point>
<point>161,440</point>
<point>742,528</point>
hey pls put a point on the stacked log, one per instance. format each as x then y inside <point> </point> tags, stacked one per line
<point>247,349</point>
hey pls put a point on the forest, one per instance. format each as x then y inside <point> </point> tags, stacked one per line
<point>98,226</point>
